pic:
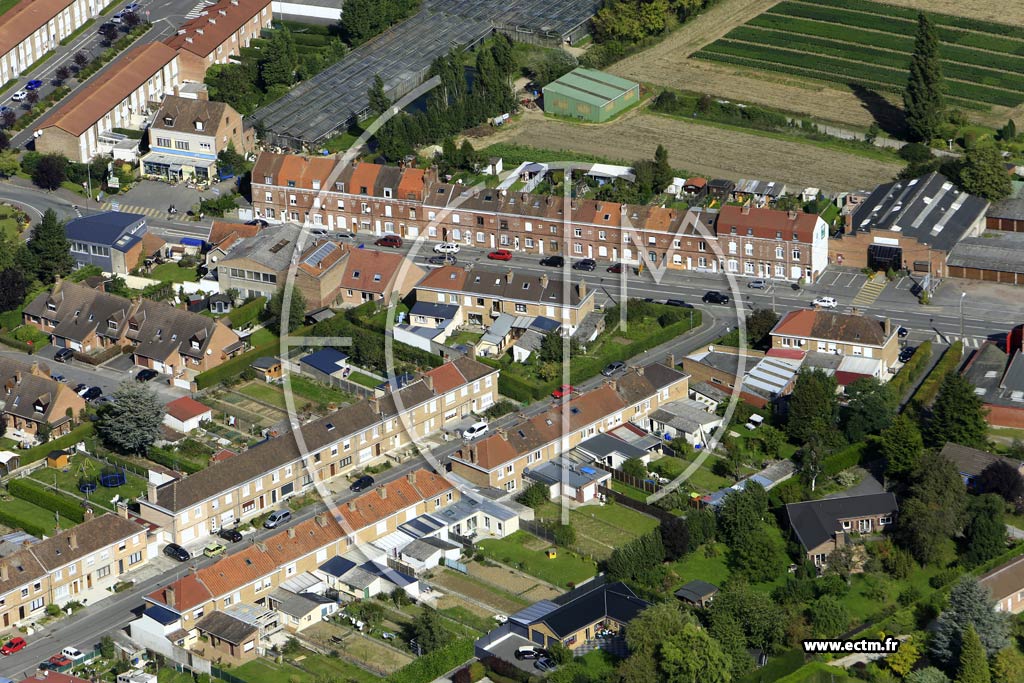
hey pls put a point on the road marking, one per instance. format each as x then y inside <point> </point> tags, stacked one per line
<point>197,10</point>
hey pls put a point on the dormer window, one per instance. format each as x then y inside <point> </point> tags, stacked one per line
<point>199,125</point>
<point>291,183</point>
<point>111,325</point>
<point>51,306</point>
<point>376,277</point>
<point>168,120</point>
<point>195,344</point>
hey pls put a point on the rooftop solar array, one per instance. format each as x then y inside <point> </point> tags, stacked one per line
<point>317,257</point>
<point>318,108</point>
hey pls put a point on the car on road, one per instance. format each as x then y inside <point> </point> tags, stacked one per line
<point>757,284</point>
<point>553,261</point>
<point>544,664</point>
<point>277,518</point>
<point>318,232</point>
<point>59,378</point>
<point>613,368</point>
<point>679,303</point>
<point>81,389</point>
<point>20,96</point>
<point>92,393</point>
<point>906,353</point>
<point>213,549</point>
<point>175,551</point>
<point>475,430</point>
<point>714,297</point>
<point>903,332</point>
<point>446,260</point>
<point>526,652</point>
<point>563,391</point>
<point>56,662</point>
<point>230,535</point>
<point>73,653</point>
<point>63,355</point>
<point>393,241</point>
<point>117,17</point>
<point>825,302</point>
<point>258,222</point>
<point>446,248</point>
<point>146,375</point>
<point>616,268</point>
<point>131,7</point>
<point>361,484</point>
<point>587,264</point>
<point>12,646</point>
<point>34,84</point>
<point>500,255</point>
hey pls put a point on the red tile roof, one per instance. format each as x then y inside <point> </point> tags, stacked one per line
<point>25,18</point>
<point>831,326</point>
<point>365,265</point>
<point>222,230</point>
<point>223,455</point>
<point>189,592</point>
<point>445,378</point>
<point>793,354</point>
<point>363,175</point>
<point>185,408</point>
<point>411,184</point>
<point>390,498</point>
<point>765,223</point>
<point>216,24</point>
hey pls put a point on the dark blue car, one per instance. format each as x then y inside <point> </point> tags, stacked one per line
<point>34,85</point>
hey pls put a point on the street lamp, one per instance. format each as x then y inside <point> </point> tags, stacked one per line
<point>962,296</point>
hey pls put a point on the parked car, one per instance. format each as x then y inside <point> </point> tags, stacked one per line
<point>56,662</point>
<point>903,332</point>
<point>757,284</point>
<point>59,378</point>
<point>34,84</point>
<point>446,248</point>
<point>679,303</point>
<point>277,518</point>
<point>213,549</point>
<point>81,388</point>
<point>613,368</point>
<point>825,302</point>
<point>616,268</point>
<point>475,430</point>
<point>175,551</point>
<point>389,241</point>
<point>500,255</point>
<point>563,391</point>
<point>714,297</point>
<point>446,260</point>
<point>906,353</point>
<point>12,646</point>
<point>318,232</point>
<point>117,17</point>
<point>361,484</point>
<point>146,375</point>
<point>587,264</point>
<point>92,393</point>
<point>553,261</point>
<point>230,535</point>
<point>20,96</point>
<point>258,222</point>
<point>72,653</point>
<point>63,355</point>
<point>525,652</point>
<point>545,664</point>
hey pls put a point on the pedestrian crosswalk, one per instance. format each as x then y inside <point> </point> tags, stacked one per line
<point>968,342</point>
<point>871,290</point>
<point>197,10</point>
<point>129,208</point>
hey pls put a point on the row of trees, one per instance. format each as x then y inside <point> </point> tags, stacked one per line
<point>652,177</point>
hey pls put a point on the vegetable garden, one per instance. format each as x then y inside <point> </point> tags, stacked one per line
<point>869,43</point>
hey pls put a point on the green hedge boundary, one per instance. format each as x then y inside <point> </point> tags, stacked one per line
<point>929,388</point>
<point>15,522</point>
<point>234,366</point>
<point>32,492</point>
<point>79,433</point>
<point>912,369</point>
<point>435,664</point>
<point>247,313</point>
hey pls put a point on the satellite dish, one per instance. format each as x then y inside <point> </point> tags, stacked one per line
<point>711,347</point>
<point>209,352</point>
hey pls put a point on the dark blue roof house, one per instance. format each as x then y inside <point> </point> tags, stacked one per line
<point>327,362</point>
<point>111,240</point>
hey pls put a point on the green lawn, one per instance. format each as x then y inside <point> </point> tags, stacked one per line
<point>312,390</point>
<point>326,668</point>
<point>265,671</point>
<point>9,225</point>
<point>168,675</point>
<point>262,336</point>
<point>268,393</point>
<point>598,664</point>
<point>68,481</point>
<point>363,379</point>
<point>172,272</point>
<point>631,491</point>
<point>22,509</point>
<point>561,571</point>
<point>697,565</point>
<point>619,516</point>
<point>464,337</point>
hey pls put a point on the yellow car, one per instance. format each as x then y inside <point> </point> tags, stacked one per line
<point>213,549</point>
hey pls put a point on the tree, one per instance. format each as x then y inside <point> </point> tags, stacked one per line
<point>675,537</point>
<point>130,20</point>
<point>428,631</point>
<point>638,668</point>
<point>760,322</point>
<point>735,458</point>
<point>131,422</point>
<point>648,628</point>
<point>535,496</point>
<point>50,171</point>
<point>378,101</point>
<point>869,409</point>
<point>842,562</point>
<point>813,405</point>
<point>771,440</point>
<point>985,530</point>
<point>922,98</point>
<point>32,98</point>
<point>742,513</point>
<point>1002,479</point>
<point>754,611</point>
<point>690,655</point>
<point>80,59</point>
<point>762,557</point>
<point>873,132</point>
<point>639,560</point>
<point>634,468</point>
<point>969,604</point>
<point>107,649</point>
<point>13,288</point>
<point>278,60</point>
<point>973,661</point>
<point>1008,666</point>
<point>822,440</point>
<point>829,617</point>
<point>8,118</point>
<point>62,73</point>
<point>552,348</point>
<point>296,310</point>
<point>109,33</point>
<point>1008,133</point>
<point>983,172</point>
<point>933,512</point>
<point>958,415</point>
<point>662,169</point>
<point>902,661</point>
<point>929,674</point>
<point>50,248</point>
<point>902,446</point>
<point>5,141</point>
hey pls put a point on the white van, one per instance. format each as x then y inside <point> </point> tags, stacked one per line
<point>72,653</point>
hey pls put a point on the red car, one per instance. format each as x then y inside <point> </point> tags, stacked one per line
<point>12,646</point>
<point>500,255</point>
<point>389,241</point>
<point>615,268</point>
<point>563,391</point>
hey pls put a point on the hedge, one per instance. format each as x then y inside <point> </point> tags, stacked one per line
<point>15,522</point>
<point>34,493</point>
<point>929,388</point>
<point>172,460</point>
<point>912,369</point>
<point>79,433</point>
<point>435,664</point>
<point>850,456</point>
<point>234,366</point>
<point>247,313</point>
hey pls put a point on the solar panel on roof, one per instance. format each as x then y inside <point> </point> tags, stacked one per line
<point>318,256</point>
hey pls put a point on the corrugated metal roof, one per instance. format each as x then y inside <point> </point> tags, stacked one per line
<point>588,85</point>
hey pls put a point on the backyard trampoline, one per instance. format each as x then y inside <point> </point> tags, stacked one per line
<point>87,485</point>
<point>112,477</point>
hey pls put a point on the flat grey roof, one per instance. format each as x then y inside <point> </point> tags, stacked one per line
<point>996,250</point>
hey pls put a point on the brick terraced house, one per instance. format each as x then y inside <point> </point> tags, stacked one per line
<point>219,32</point>
<point>31,28</point>
<point>31,399</point>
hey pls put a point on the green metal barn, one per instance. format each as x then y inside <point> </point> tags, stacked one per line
<point>589,95</point>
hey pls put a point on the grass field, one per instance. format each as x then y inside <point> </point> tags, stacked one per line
<point>601,528</point>
<point>515,551</point>
<point>172,272</point>
<point>68,481</point>
<point>22,509</point>
<point>869,43</point>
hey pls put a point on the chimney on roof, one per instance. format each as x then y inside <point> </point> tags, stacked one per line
<point>122,510</point>
<point>582,289</point>
<point>429,381</point>
<point>17,377</point>
<point>321,521</point>
<point>670,360</point>
<point>73,540</point>
<point>472,454</point>
<point>543,280</point>
<point>887,327</point>
<point>151,492</point>
<point>792,214</point>
<point>502,433</point>
<point>87,514</point>
<point>375,405</point>
<point>746,209</point>
<point>509,276</point>
<point>640,370</point>
<point>291,532</point>
<point>261,546</point>
<point>5,572</point>
<point>351,506</point>
<point>411,478</point>
<point>42,674</point>
<point>26,543</point>
<point>382,491</point>
<point>169,596</point>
